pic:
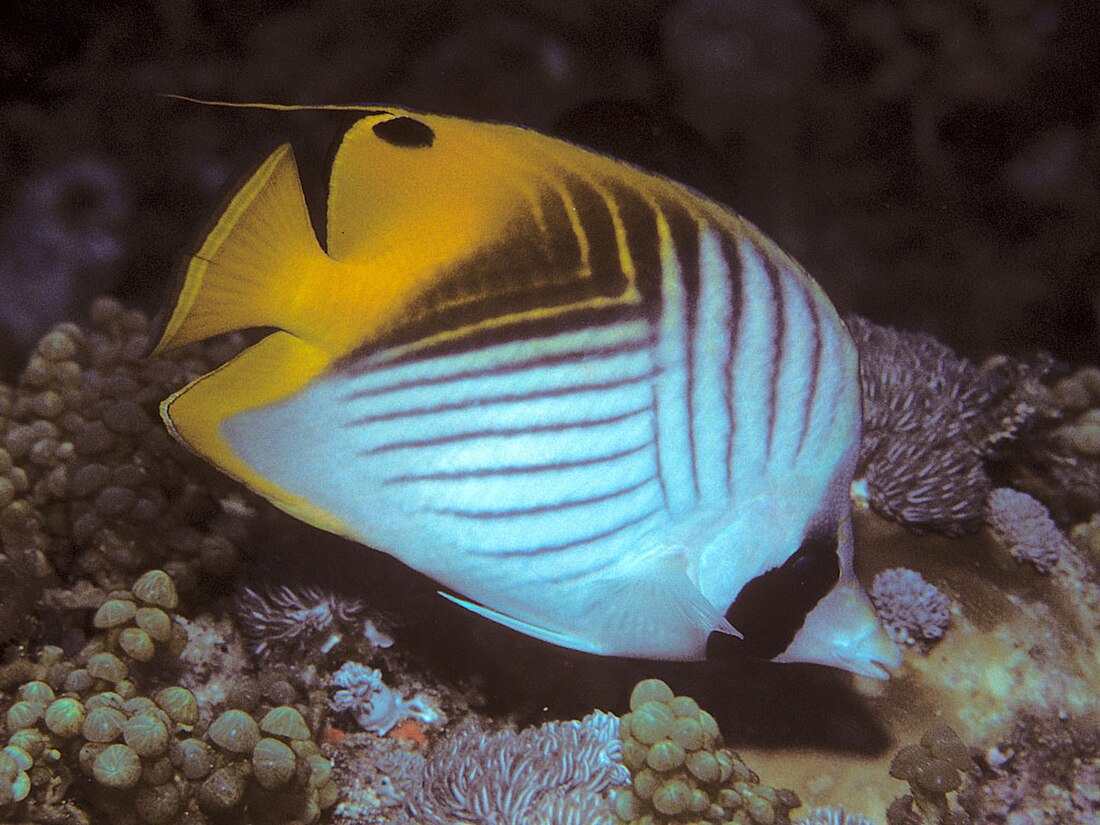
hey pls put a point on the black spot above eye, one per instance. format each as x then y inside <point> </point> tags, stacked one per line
<point>406,132</point>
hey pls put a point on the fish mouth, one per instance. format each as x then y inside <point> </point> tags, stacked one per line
<point>880,670</point>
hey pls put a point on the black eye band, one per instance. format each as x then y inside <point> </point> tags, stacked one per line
<point>771,608</point>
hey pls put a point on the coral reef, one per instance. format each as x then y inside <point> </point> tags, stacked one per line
<point>913,611</point>
<point>92,487</point>
<point>833,816</point>
<point>930,420</point>
<point>1045,770</point>
<point>375,706</point>
<point>1026,528</point>
<point>938,766</point>
<point>1060,465</point>
<point>679,768</point>
<point>555,774</point>
<point>289,623</point>
<point>376,775</point>
<point>101,733</point>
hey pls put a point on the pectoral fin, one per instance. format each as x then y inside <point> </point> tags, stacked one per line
<point>534,631</point>
<point>657,614</point>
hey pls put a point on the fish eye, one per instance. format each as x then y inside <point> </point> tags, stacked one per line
<point>406,132</point>
<point>771,608</point>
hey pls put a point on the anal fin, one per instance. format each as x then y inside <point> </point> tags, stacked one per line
<point>658,612</point>
<point>269,371</point>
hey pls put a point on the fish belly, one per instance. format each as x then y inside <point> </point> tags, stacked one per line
<point>498,472</point>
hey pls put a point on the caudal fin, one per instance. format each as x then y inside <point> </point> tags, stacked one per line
<point>250,267</point>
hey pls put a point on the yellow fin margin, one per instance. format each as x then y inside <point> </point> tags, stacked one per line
<point>269,371</point>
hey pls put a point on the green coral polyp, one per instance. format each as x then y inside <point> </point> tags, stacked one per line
<point>37,691</point>
<point>108,667</point>
<point>23,715</point>
<point>273,763</point>
<point>235,731</point>
<point>157,588</point>
<point>114,613</point>
<point>155,622</point>
<point>103,724</point>
<point>137,644</point>
<point>665,756</point>
<point>286,722</point>
<point>180,705</point>
<point>651,723</point>
<point>650,690</point>
<point>146,734</point>
<point>118,767</point>
<point>672,797</point>
<point>65,717</point>
<point>680,771</point>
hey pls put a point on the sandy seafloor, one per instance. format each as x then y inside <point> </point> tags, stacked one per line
<point>935,165</point>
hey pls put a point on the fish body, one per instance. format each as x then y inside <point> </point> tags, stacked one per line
<point>603,409</point>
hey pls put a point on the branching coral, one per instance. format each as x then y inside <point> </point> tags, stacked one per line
<point>836,815</point>
<point>295,622</point>
<point>913,611</point>
<point>930,418</point>
<point>376,706</point>
<point>555,773</point>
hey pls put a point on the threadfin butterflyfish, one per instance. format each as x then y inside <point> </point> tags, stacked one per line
<point>604,409</point>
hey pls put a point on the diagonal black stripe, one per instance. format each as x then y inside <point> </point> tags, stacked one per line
<point>504,432</point>
<point>685,232</point>
<point>557,548</point>
<point>732,257</point>
<point>643,245</point>
<point>557,392</point>
<point>605,269</point>
<point>522,469</point>
<point>815,369</point>
<point>575,319</point>
<point>529,270</point>
<point>542,508</point>
<point>779,331</point>
<point>657,445</point>
<point>573,357</point>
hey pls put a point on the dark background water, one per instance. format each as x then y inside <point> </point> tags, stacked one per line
<point>934,163</point>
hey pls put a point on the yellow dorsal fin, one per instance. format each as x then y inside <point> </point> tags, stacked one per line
<point>257,266</point>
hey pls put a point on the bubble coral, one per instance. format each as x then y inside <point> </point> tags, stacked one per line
<point>930,420</point>
<point>679,768</point>
<point>938,766</point>
<point>104,734</point>
<point>913,611</point>
<point>91,486</point>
